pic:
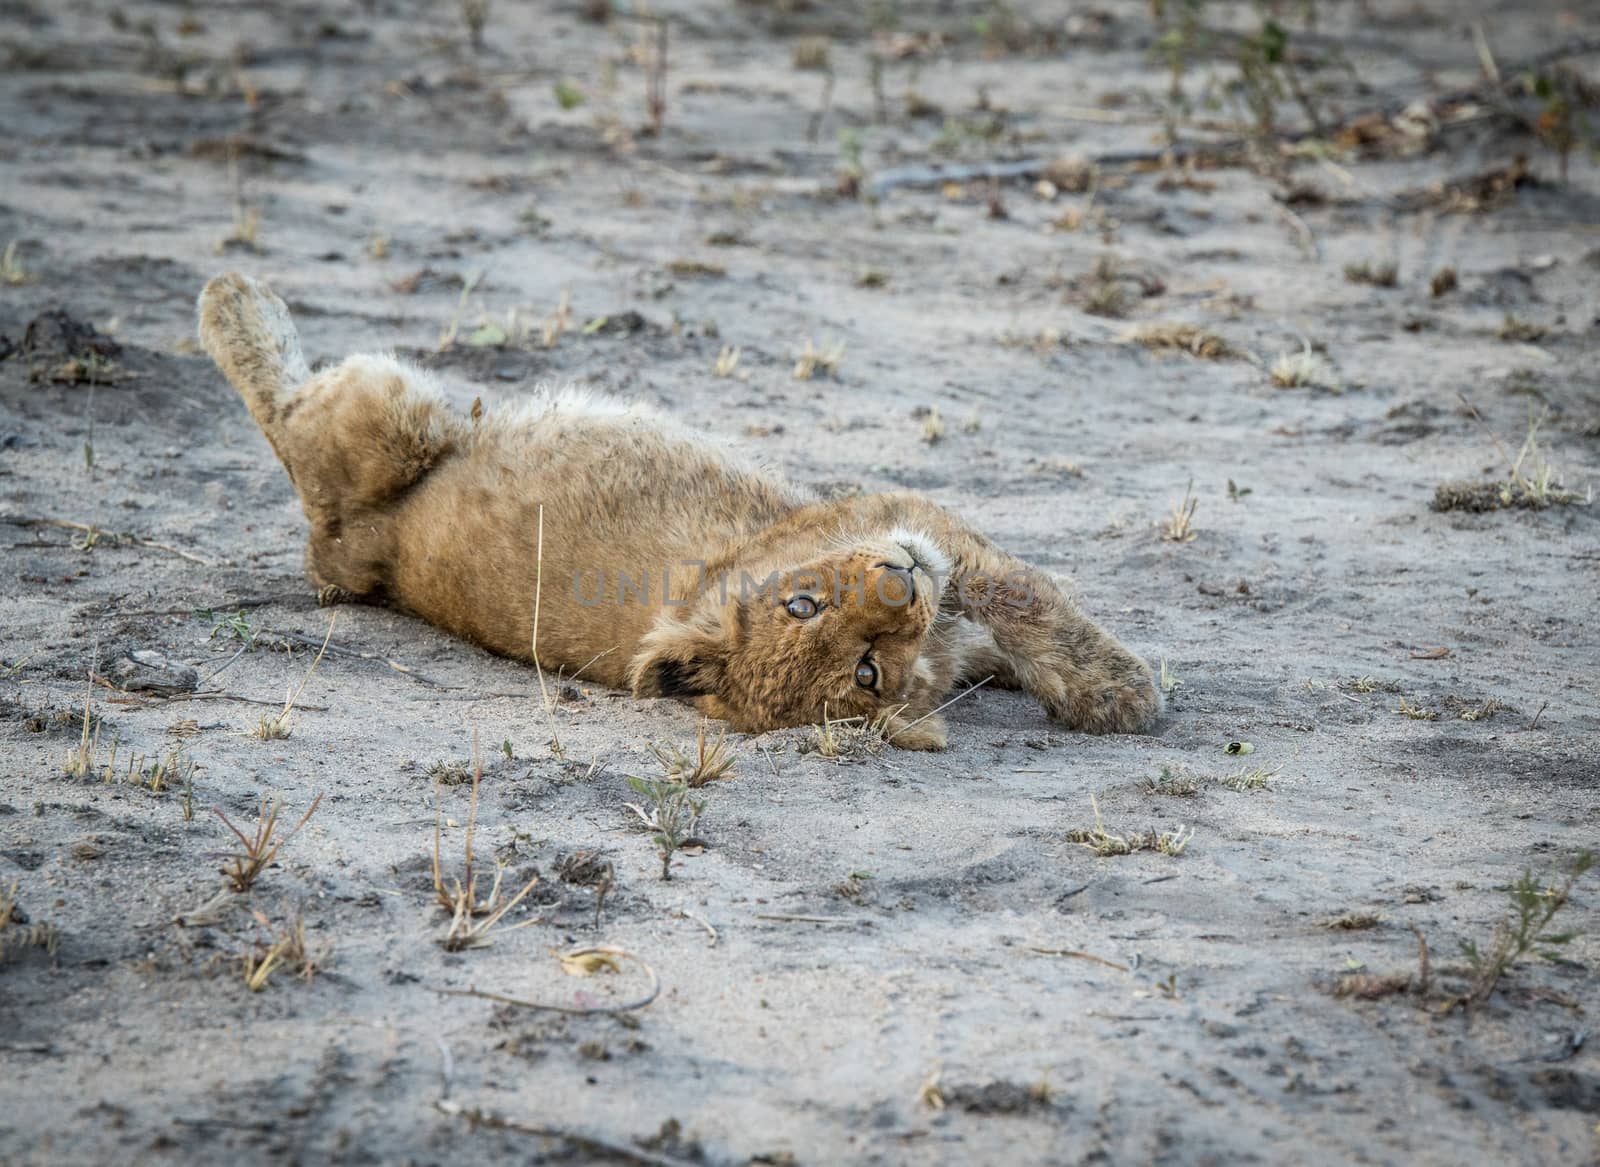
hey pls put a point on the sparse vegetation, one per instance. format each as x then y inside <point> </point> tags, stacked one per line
<point>459,895</point>
<point>1178,527</point>
<point>1533,906</point>
<point>707,762</point>
<point>670,812</point>
<point>727,361</point>
<point>11,270</point>
<point>1302,369</point>
<point>1189,339</point>
<point>840,738</point>
<point>1352,922</point>
<point>811,53</point>
<point>1519,331</point>
<point>1104,843</point>
<point>814,360</point>
<point>1171,784</point>
<point>1170,683</point>
<point>17,933</point>
<point>1379,275</point>
<point>284,947</point>
<point>1415,712</point>
<point>277,726</point>
<point>1531,483</point>
<point>259,849</point>
<point>475,15</point>
<point>932,427</point>
<point>1252,778</point>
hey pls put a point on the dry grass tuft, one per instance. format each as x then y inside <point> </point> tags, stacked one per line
<point>1178,527</point>
<point>811,53</point>
<point>1415,712</point>
<point>814,360</point>
<point>1352,922</point>
<point>1303,369</point>
<point>258,849</point>
<point>1378,275</point>
<point>285,948</point>
<point>840,738</point>
<point>727,361</point>
<point>11,270</point>
<point>460,896</point>
<point>277,726</point>
<point>1171,784</point>
<point>1252,778</point>
<point>1531,483</point>
<point>710,761</point>
<point>16,933</point>
<point>1104,843</point>
<point>1189,339</point>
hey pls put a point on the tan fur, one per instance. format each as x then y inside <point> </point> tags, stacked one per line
<point>413,505</point>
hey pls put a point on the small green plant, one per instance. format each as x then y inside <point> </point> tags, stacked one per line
<point>811,53</point>
<point>225,624</point>
<point>669,812</point>
<point>568,96</point>
<point>259,848</point>
<point>851,168</point>
<point>1533,907</point>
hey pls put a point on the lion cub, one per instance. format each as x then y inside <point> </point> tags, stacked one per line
<point>654,560</point>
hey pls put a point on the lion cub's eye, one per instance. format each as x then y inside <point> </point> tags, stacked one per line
<point>802,607</point>
<point>866,674</point>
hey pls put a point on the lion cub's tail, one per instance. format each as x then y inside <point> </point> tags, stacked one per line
<point>246,329</point>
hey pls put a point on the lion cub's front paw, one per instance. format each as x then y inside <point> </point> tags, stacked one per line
<point>1122,699</point>
<point>928,733</point>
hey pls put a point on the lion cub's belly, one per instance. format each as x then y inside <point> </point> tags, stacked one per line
<point>628,507</point>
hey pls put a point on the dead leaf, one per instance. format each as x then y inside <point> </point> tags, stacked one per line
<point>1431,654</point>
<point>586,964</point>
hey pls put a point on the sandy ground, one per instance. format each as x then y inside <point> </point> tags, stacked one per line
<point>871,960</point>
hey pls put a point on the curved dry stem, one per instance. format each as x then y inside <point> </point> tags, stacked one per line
<point>649,996</point>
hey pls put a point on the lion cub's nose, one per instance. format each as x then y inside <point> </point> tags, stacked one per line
<point>897,586</point>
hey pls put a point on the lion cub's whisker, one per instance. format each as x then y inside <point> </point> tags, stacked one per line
<point>968,691</point>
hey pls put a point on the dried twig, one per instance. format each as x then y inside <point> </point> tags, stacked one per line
<point>630,1152</point>
<point>94,534</point>
<point>1076,954</point>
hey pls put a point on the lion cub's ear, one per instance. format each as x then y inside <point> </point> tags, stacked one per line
<point>680,658</point>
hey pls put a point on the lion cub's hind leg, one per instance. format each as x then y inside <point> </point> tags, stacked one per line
<point>354,438</point>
